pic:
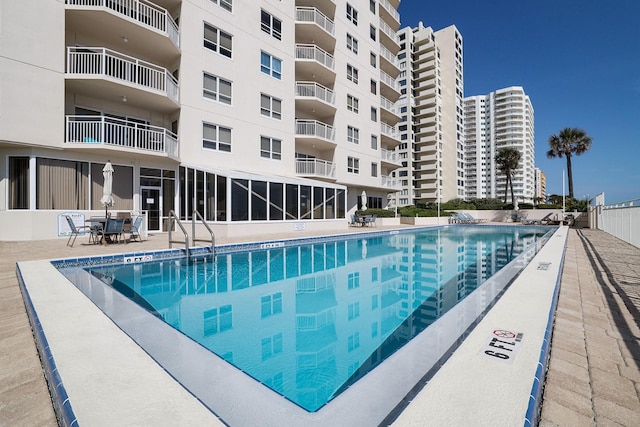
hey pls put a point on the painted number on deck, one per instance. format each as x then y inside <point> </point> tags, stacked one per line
<point>502,345</point>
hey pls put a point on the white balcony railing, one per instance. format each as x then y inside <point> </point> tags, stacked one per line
<point>141,11</point>
<point>315,128</point>
<point>105,62</point>
<point>389,106</point>
<point>388,31</point>
<point>389,131</point>
<point>389,156</point>
<point>389,81</point>
<point>311,14</point>
<point>119,133</point>
<point>392,11</point>
<point>315,90</point>
<point>389,182</point>
<point>315,167</point>
<point>386,54</point>
<point>309,51</point>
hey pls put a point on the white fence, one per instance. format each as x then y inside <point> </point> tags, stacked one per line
<point>621,220</point>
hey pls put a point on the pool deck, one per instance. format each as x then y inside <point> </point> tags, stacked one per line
<point>594,371</point>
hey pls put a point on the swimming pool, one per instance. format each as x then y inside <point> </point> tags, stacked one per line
<point>333,310</point>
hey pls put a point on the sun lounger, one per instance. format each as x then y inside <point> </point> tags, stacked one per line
<point>546,220</point>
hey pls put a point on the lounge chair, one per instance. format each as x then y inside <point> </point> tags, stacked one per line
<point>546,220</point>
<point>75,230</point>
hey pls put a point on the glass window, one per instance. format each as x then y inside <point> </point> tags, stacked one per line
<point>270,148</point>
<point>271,25</point>
<point>217,40</point>
<point>374,169</point>
<point>374,114</point>
<point>239,200</point>
<point>18,183</point>
<point>330,204</point>
<point>352,14</point>
<point>353,135</point>
<point>352,73</point>
<point>270,65</point>
<point>258,200</point>
<point>292,202</point>
<point>374,87</point>
<point>225,4</point>
<point>353,165</point>
<point>276,200</point>
<point>318,202</point>
<point>373,59</point>
<point>270,106</point>
<point>372,32</point>
<point>352,43</point>
<point>221,198</point>
<point>216,137</point>
<point>216,88</point>
<point>305,202</point>
<point>374,142</point>
<point>352,103</point>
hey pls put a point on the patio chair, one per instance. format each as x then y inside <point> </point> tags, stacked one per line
<point>113,230</point>
<point>370,220</point>
<point>95,230</point>
<point>134,231</point>
<point>75,230</point>
<point>546,220</point>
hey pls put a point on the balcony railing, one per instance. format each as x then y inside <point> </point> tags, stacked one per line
<point>141,11</point>
<point>392,11</point>
<point>389,81</point>
<point>120,133</point>
<point>386,54</point>
<point>315,128</point>
<point>389,182</point>
<point>389,106</point>
<point>389,156</point>
<point>105,62</point>
<point>311,14</point>
<point>315,90</point>
<point>315,167</point>
<point>306,51</point>
<point>385,28</point>
<point>389,131</point>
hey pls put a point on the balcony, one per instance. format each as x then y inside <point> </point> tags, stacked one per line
<point>316,168</point>
<point>111,75</point>
<point>94,132</point>
<point>315,134</point>
<point>390,159</point>
<point>389,113</point>
<point>389,14</point>
<point>390,136</point>
<point>388,37</point>
<point>327,7</point>
<point>390,183</point>
<point>315,65</point>
<point>313,27</point>
<point>315,100</point>
<point>389,87</point>
<point>389,62</point>
<point>144,26</point>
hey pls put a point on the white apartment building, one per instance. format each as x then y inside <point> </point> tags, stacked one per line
<point>503,118</point>
<point>262,115</point>
<point>431,124</point>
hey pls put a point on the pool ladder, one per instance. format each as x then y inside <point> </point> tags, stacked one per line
<point>173,218</point>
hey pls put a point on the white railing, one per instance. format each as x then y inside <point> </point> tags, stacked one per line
<point>315,128</point>
<point>120,133</point>
<point>315,90</point>
<point>389,130</point>
<point>311,14</point>
<point>389,182</point>
<point>389,156</point>
<point>316,167</point>
<point>389,106</point>
<point>621,220</point>
<point>388,31</point>
<point>309,51</point>
<point>105,62</point>
<point>392,11</point>
<point>389,81</point>
<point>386,53</point>
<point>141,11</point>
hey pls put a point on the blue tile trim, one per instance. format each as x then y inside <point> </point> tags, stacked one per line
<point>535,396</point>
<point>60,399</point>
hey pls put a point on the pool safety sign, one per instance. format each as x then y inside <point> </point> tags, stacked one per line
<point>502,345</point>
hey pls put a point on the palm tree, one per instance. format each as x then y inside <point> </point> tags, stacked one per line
<point>569,141</point>
<point>508,160</point>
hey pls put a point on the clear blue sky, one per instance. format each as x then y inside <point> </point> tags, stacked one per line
<point>579,62</point>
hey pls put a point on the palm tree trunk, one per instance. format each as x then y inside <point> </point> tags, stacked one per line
<point>569,174</point>
<point>510,179</point>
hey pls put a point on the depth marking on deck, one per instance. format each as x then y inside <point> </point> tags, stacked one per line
<point>502,345</point>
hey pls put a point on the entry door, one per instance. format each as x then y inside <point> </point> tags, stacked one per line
<point>151,203</point>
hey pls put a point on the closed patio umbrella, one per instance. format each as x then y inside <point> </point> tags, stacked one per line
<point>363,200</point>
<point>107,198</point>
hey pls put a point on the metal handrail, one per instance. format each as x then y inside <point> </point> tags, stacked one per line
<point>173,217</point>
<point>193,231</point>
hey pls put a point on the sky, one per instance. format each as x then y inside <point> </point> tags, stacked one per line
<point>579,63</point>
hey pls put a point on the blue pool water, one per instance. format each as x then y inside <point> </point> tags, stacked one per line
<point>310,320</point>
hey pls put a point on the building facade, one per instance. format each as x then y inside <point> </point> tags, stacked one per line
<point>431,124</point>
<point>503,118</point>
<point>260,115</point>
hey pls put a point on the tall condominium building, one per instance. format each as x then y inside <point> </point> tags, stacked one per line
<point>431,124</point>
<point>541,187</point>
<point>262,116</point>
<point>503,118</point>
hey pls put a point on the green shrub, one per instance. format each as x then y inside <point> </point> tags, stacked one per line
<point>380,213</point>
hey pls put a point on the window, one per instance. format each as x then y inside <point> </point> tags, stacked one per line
<point>373,59</point>
<point>353,165</point>
<point>372,6</point>
<point>217,40</point>
<point>270,65</point>
<point>216,137</point>
<point>18,183</point>
<point>271,304</point>
<point>271,346</point>
<point>353,135</point>
<point>270,148</point>
<point>271,25</point>
<point>216,89</point>
<point>352,43</point>
<point>352,103</point>
<point>374,142</point>
<point>374,86</point>
<point>353,310</point>
<point>372,32</point>
<point>353,280</point>
<point>374,114</point>
<point>225,4</point>
<point>352,73</point>
<point>352,14</point>
<point>217,320</point>
<point>374,169</point>
<point>270,106</point>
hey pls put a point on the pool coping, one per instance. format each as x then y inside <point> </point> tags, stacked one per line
<point>24,267</point>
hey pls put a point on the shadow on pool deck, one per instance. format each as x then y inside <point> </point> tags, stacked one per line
<point>595,345</point>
